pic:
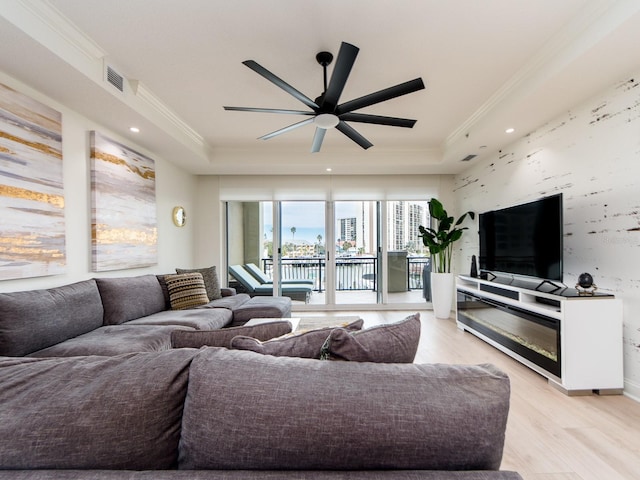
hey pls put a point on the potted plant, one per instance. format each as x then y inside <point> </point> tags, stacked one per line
<point>440,242</point>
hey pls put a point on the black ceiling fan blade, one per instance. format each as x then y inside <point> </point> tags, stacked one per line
<point>353,135</point>
<point>260,70</point>
<point>286,129</point>
<point>318,137</point>
<point>381,96</point>
<point>378,120</point>
<point>269,110</point>
<point>346,58</point>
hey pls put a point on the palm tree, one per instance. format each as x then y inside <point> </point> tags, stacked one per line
<point>319,237</point>
<point>293,233</point>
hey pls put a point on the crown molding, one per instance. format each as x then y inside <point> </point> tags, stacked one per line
<point>45,24</point>
<point>598,19</point>
<point>158,107</point>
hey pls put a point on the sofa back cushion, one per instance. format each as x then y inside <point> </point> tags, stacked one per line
<point>128,298</point>
<point>36,319</point>
<point>388,343</point>
<point>210,278</point>
<point>304,414</point>
<point>119,412</point>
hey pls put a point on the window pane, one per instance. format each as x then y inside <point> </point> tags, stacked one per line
<point>407,256</point>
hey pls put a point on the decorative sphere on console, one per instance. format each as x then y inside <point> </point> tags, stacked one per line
<point>585,280</point>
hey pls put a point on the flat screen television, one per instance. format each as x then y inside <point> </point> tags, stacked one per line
<point>524,239</point>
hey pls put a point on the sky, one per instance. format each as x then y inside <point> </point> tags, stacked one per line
<point>306,217</point>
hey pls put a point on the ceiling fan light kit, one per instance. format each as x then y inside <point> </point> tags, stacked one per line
<point>325,111</point>
<point>326,120</point>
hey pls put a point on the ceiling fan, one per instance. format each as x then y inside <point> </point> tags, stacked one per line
<point>326,112</point>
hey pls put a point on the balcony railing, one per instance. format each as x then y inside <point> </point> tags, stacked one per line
<point>352,273</point>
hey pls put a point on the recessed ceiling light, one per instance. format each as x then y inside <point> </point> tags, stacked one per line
<point>510,130</point>
<point>329,169</point>
<point>134,129</point>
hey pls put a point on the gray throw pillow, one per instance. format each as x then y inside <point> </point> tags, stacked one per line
<point>303,345</point>
<point>210,277</point>
<point>389,343</point>
<point>222,337</point>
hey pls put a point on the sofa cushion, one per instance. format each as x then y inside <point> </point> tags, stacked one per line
<point>198,318</point>
<point>36,319</point>
<point>128,298</point>
<point>210,277</point>
<point>113,340</point>
<point>304,345</point>
<point>223,337</point>
<point>304,414</point>
<point>186,290</point>
<point>389,343</point>
<point>93,412</point>
<point>262,307</point>
<point>230,302</point>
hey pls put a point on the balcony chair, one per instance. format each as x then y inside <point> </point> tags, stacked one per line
<point>262,277</point>
<point>295,291</point>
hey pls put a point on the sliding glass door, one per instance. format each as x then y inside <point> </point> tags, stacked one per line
<point>407,257</point>
<point>350,252</point>
<point>356,253</point>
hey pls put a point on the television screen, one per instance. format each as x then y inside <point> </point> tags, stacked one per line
<point>523,240</point>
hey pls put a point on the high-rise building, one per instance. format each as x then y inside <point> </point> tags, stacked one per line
<point>348,229</point>
<point>403,220</point>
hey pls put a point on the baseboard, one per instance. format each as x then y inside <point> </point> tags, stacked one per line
<point>632,390</point>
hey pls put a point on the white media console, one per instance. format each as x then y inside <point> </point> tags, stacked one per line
<point>574,340</point>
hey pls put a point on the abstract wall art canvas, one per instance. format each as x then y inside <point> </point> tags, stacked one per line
<point>123,187</point>
<point>32,227</point>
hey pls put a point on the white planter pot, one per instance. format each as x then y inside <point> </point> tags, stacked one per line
<point>442,294</point>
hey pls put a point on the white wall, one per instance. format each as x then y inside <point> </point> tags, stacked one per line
<point>592,155</point>
<point>173,187</point>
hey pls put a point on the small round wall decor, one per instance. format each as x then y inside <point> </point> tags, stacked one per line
<point>179,216</point>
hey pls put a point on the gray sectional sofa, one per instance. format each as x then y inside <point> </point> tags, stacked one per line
<point>112,316</point>
<point>214,413</point>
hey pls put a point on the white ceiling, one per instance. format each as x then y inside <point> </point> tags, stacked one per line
<point>487,65</point>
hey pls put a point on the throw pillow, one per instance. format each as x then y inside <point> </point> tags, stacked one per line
<point>389,343</point>
<point>210,277</point>
<point>186,290</point>
<point>222,337</point>
<point>303,345</point>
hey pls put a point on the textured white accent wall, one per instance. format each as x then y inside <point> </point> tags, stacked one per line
<point>592,155</point>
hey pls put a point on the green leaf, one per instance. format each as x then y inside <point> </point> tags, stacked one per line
<point>440,242</point>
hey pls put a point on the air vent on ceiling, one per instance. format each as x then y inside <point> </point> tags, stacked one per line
<point>115,79</point>
<point>468,157</point>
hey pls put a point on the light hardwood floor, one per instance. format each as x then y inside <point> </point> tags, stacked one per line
<point>549,436</point>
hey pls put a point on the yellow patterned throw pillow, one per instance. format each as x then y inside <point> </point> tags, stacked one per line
<point>186,290</point>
